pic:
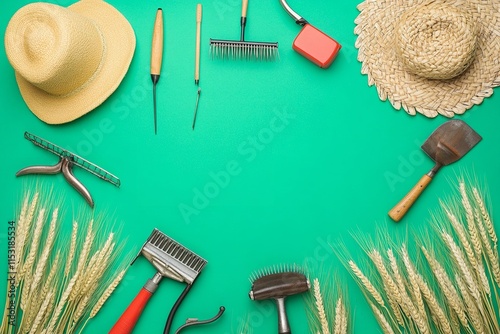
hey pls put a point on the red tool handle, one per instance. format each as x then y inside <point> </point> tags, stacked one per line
<point>129,318</point>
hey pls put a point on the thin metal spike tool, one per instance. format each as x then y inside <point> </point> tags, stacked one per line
<point>242,49</point>
<point>197,60</point>
<point>156,56</point>
<point>196,107</point>
<point>64,166</point>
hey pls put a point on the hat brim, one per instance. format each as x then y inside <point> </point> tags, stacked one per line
<point>119,39</point>
<point>376,40</point>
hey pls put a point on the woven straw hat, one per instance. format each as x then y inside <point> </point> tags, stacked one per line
<point>432,57</point>
<point>67,61</point>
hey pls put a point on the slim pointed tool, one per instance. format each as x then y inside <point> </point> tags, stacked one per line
<point>196,106</point>
<point>156,56</point>
<point>198,38</point>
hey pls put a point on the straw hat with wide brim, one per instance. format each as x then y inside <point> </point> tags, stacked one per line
<point>68,61</point>
<point>432,57</point>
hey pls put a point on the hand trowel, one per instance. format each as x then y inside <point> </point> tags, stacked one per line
<point>447,144</point>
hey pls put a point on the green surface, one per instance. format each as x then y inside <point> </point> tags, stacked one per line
<point>337,164</point>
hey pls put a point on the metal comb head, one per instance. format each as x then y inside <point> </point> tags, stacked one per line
<point>226,49</point>
<point>172,259</point>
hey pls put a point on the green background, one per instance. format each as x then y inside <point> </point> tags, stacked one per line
<point>336,166</point>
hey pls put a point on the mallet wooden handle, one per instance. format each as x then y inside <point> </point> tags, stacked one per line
<point>405,204</point>
<point>157,44</point>
<point>198,38</point>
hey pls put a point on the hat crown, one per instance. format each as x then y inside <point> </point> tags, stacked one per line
<point>436,41</point>
<point>53,48</point>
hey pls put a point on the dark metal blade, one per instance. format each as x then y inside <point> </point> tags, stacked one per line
<point>450,142</point>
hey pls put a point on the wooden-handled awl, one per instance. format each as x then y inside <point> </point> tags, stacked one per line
<point>197,60</point>
<point>156,56</point>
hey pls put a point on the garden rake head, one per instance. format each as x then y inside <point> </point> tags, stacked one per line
<point>227,49</point>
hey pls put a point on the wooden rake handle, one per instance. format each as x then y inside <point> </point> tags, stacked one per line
<point>400,209</point>
<point>244,8</point>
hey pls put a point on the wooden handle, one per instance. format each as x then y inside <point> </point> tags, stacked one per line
<point>405,204</point>
<point>157,44</point>
<point>198,38</point>
<point>244,8</point>
<point>129,318</point>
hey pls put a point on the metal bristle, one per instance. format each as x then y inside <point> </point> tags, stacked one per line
<point>275,269</point>
<point>232,50</point>
<point>171,254</point>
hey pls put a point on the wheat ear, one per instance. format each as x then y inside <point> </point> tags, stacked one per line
<point>41,313</point>
<point>340,318</point>
<point>473,312</point>
<point>464,268</point>
<point>447,286</point>
<point>24,229</point>
<point>61,304</point>
<point>109,290</point>
<point>390,287</point>
<point>30,259</point>
<point>82,259</point>
<point>320,308</point>
<point>412,275</point>
<point>384,324</point>
<point>367,284</point>
<point>434,307</point>
<point>491,254</point>
<point>486,216</point>
<point>476,241</point>
<point>464,240</point>
<point>40,267</point>
<point>72,247</point>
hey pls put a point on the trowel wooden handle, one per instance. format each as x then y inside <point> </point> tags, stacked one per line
<point>157,44</point>
<point>405,204</point>
<point>129,318</point>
